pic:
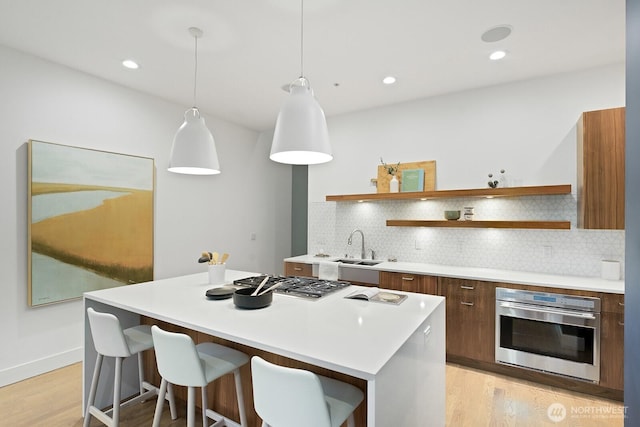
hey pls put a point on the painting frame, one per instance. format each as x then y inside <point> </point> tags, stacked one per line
<point>90,221</point>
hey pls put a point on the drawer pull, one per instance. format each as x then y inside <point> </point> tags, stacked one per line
<point>409,279</point>
<point>466,303</point>
<point>620,323</point>
<point>297,268</point>
<point>467,287</point>
<point>621,304</point>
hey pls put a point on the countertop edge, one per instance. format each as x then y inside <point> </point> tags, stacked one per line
<point>593,284</point>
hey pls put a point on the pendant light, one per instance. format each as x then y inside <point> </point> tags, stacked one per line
<point>301,136</point>
<point>194,151</point>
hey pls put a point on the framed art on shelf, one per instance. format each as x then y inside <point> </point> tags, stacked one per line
<point>90,221</point>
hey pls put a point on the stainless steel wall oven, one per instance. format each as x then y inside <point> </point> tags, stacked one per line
<point>549,332</point>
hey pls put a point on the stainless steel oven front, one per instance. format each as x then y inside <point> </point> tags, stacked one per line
<point>549,332</point>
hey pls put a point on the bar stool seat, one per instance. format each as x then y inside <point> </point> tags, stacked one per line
<point>110,340</point>
<point>181,362</point>
<point>288,397</point>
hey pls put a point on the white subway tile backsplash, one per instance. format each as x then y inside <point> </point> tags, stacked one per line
<point>572,252</point>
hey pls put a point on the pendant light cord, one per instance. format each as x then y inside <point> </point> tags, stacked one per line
<point>301,38</point>
<point>195,72</point>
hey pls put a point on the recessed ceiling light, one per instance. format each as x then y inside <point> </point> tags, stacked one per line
<point>130,64</point>
<point>497,55</point>
<point>389,80</point>
<point>496,34</point>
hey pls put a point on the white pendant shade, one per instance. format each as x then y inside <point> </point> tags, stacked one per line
<point>194,151</point>
<point>301,136</point>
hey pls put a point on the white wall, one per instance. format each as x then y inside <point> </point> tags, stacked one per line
<point>43,101</point>
<point>528,128</point>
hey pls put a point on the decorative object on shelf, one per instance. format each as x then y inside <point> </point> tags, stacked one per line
<point>468,213</point>
<point>394,184</point>
<point>391,170</point>
<point>452,215</point>
<point>429,168</point>
<point>504,181</point>
<point>194,151</point>
<point>493,183</point>
<point>413,180</point>
<point>301,136</point>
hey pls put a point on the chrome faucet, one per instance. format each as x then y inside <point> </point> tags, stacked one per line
<point>350,240</point>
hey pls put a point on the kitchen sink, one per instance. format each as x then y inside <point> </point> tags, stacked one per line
<point>355,270</point>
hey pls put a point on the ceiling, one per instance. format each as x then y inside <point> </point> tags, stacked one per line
<point>251,48</point>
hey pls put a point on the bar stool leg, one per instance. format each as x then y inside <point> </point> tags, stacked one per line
<point>172,402</point>
<point>191,406</point>
<point>243,415</point>
<point>160,403</point>
<point>116,392</point>
<point>204,405</point>
<point>92,391</point>
<point>141,373</point>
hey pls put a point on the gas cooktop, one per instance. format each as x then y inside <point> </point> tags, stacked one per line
<point>307,287</point>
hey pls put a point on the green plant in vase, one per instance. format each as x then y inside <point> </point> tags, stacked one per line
<point>394,184</point>
<point>391,169</point>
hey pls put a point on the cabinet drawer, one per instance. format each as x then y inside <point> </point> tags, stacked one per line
<point>613,303</point>
<point>461,288</point>
<point>298,269</point>
<point>409,282</point>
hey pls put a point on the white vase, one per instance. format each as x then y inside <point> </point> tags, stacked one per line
<point>394,185</point>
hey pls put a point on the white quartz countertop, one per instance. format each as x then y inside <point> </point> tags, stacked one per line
<point>351,336</point>
<point>594,284</point>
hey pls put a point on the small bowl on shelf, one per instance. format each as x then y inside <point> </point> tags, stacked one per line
<point>242,299</point>
<point>452,215</point>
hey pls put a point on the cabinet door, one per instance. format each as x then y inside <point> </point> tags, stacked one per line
<point>612,342</point>
<point>298,269</point>
<point>470,318</point>
<point>409,282</point>
<point>601,168</point>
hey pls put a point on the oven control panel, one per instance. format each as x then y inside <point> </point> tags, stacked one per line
<point>572,302</point>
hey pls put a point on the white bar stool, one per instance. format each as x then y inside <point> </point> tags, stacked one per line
<point>111,340</point>
<point>288,397</point>
<point>181,362</point>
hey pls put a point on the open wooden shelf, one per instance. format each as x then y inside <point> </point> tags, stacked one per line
<point>549,225</point>
<point>544,190</point>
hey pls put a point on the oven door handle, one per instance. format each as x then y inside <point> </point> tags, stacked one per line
<point>538,309</point>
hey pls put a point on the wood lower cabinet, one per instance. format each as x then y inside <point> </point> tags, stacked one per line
<point>470,318</point>
<point>409,282</point>
<point>298,269</point>
<point>612,342</point>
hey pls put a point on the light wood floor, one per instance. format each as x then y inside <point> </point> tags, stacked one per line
<point>474,399</point>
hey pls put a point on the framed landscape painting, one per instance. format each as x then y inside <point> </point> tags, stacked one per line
<point>90,221</point>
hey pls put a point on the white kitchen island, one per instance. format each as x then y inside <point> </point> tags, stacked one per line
<point>399,350</point>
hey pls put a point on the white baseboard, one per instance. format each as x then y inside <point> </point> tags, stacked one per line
<point>36,367</point>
